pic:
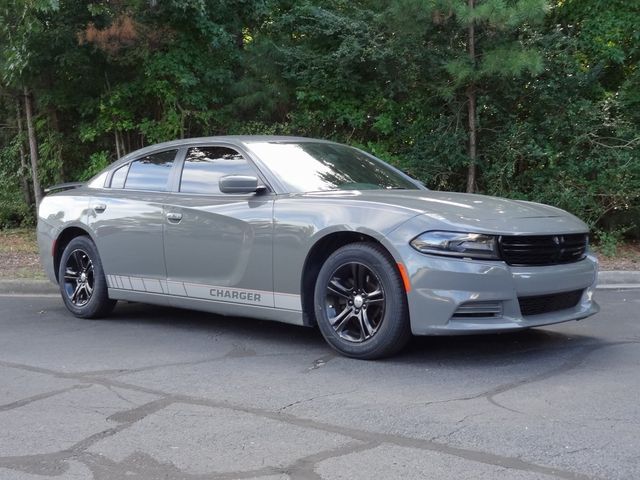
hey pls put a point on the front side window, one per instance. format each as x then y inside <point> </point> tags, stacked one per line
<point>204,166</point>
<point>150,172</point>
<point>311,167</point>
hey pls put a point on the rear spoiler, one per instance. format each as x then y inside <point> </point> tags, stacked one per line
<point>63,186</point>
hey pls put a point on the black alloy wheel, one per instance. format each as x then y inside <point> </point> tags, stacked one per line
<point>79,278</point>
<point>355,302</point>
<point>360,302</point>
<point>82,282</point>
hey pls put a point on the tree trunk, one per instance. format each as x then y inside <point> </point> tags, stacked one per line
<point>118,154</point>
<point>472,147</point>
<point>123,149</point>
<point>471,109</point>
<point>24,168</point>
<point>33,146</point>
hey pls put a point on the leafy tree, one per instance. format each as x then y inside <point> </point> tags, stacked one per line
<point>488,42</point>
<point>521,98</point>
<point>18,28</point>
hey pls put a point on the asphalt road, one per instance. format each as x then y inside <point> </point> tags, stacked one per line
<point>154,393</point>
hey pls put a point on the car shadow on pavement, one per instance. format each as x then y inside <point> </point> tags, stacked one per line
<point>210,323</point>
<point>460,350</point>
<point>497,348</point>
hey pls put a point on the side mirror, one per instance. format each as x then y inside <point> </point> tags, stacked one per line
<point>239,184</point>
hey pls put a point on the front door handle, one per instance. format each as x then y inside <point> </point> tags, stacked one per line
<point>100,207</point>
<point>174,217</point>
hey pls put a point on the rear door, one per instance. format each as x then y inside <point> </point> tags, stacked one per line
<point>218,246</point>
<point>128,220</point>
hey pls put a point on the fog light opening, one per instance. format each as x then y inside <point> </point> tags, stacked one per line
<point>483,309</point>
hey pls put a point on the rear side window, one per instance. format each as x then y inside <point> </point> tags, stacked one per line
<point>151,172</point>
<point>204,166</point>
<point>119,176</point>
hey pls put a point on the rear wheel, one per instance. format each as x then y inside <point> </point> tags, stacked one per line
<point>360,302</point>
<point>81,280</point>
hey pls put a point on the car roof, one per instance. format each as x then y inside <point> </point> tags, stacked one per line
<point>232,139</point>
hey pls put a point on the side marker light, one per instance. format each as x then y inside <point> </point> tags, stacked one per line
<point>405,277</point>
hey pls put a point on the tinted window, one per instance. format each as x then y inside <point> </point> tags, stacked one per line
<point>204,166</point>
<point>119,176</point>
<point>151,172</point>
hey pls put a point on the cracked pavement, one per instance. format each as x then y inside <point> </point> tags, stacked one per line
<point>157,393</point>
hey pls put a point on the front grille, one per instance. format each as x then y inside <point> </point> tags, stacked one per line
<point>543,249</point>
<point>549,303</point>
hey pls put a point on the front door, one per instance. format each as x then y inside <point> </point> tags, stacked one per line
<point>218,246</point>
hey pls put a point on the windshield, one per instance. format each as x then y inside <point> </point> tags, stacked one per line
<point>311,167</point>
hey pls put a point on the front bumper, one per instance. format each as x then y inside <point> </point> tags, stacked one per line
<point>440,286</point>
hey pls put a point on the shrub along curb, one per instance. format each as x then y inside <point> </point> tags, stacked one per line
<point>606,280</point>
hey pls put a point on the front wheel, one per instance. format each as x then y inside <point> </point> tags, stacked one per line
<point>81,280</point>
<point>360,302</point>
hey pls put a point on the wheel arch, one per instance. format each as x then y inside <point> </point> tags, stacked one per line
<point>318,254</point>
<point>62,240</point>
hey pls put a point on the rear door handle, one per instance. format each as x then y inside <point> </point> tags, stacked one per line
<point>174,217</point>
<point>99,208</point>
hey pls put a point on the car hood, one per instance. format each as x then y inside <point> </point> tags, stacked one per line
<point>483,213</point>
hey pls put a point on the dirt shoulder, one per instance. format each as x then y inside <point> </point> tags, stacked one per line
<point>19,256</point>
<point>627,257</point>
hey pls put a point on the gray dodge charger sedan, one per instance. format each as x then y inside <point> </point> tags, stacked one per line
<point>311,232</point>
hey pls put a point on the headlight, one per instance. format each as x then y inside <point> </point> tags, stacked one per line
<point>456,244</point>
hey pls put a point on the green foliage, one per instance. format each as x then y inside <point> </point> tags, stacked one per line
<point>501,30</point>
<point>97,162</point>
<point>608,31</point>
<point>13,209</point>
<point>557,82</point>
<point>512,61</point>
<point>51,154</point>
<point>609,241</point>
<point>499,14</point>
<point>19,27</point>
<point>15,212</point>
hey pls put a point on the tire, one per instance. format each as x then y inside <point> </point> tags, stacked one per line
<point>81,280</point>
<point>360,302</point>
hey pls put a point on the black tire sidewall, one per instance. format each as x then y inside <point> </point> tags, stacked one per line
<point>99,304</point>
<point>394,330</point>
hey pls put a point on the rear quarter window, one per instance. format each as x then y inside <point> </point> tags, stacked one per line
<point>119,176</point>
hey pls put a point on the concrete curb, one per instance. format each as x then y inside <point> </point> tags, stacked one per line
<point>27,286</point>
<point>615,277</point>
<point>607,280</point>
